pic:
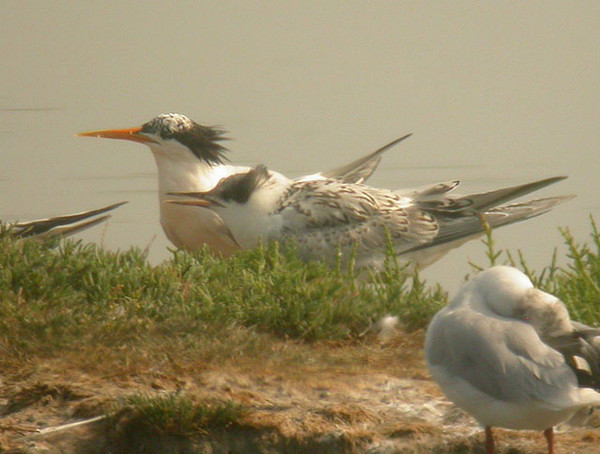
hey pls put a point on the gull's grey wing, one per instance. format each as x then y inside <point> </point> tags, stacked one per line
<point>502,358</point>
<point>62,225</point>
<point>582,343</point>
<point>360,170</point>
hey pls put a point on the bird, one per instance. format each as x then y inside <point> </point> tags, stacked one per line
<point>190,157</point>
<point>64,225</point>
<point>509,354</point>
<point>329,217</point>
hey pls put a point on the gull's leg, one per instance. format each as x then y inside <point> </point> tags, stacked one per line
<point>489,440</point>
<point>549,434</point>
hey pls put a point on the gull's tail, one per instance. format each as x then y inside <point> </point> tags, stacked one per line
<point>584,344</point>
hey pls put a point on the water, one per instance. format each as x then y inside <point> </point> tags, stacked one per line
<point>494,94</point>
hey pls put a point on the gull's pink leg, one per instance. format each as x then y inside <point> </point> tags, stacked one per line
<point>489,440</point>
<point>549,434</point>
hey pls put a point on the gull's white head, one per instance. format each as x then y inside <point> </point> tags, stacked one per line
<point>174,136</point>
<point>503,287</point>
<point>497,289</point>
<point>508,292</point>
<point>546,313</point>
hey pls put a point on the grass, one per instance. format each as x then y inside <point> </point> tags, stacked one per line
<point>78,294</point>
<point>174,415</point>
<point>577,283</point>
<point>72,295</point>
<point>117,309</point>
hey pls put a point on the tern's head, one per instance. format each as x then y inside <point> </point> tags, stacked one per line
<point>173,134</point>
<point>245,202</point>
<point>238,189</point>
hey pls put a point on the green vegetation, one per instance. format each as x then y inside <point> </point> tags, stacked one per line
<point>76,295</point>
<point>577,283</point>
<point>115,314</point>
<point>174,414</point>
<point>73,296</point>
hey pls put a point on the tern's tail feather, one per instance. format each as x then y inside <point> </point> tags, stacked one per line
<point>458,206</point>
<point>68,230</point>
<point>457,230</point>
<point>463,228</point>
<point>360,170</point>
<point>62,225</point>
<point>515,212</point>
<point>428,192</point>
<point>484,201</point>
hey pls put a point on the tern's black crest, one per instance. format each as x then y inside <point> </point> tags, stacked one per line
<point>239,187</point>
<point>201,140</point>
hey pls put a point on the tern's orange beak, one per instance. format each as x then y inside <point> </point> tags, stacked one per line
<point>204,203</point>
<point>132,134</point>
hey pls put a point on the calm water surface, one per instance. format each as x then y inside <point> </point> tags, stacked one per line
<point>494,94</point>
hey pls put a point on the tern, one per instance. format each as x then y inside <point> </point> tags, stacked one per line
<point>327,216</point>
<point>64,225</point>
<point>191,158</point>
<point>508,354</point>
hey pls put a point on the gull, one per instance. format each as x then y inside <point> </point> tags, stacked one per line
<point>328,217</point>
<point>64,225</point>
<point>190,157</point>
<point>508,354</point>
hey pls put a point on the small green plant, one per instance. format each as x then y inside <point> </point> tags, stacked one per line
<point>400,291</point>
<point>576,283</point>
<point>174,414</point>
<point>75,296</point>
<point>78,296</point>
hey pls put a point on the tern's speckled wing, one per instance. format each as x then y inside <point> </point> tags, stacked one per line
<point>360,170</point>
<point>323,215</point>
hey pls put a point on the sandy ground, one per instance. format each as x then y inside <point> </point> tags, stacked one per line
<point>385,403</point>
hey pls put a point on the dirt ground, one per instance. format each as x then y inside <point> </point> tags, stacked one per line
<point>383,402</point>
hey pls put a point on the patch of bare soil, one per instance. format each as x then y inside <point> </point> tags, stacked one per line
<point>338,399</point>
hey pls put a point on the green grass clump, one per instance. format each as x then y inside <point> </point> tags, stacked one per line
<point>174,415</point>
<point>403,293</point>
<point>77,295</point>
<point>576,283</point>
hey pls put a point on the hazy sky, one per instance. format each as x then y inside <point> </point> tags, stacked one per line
<point>495,93</point>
